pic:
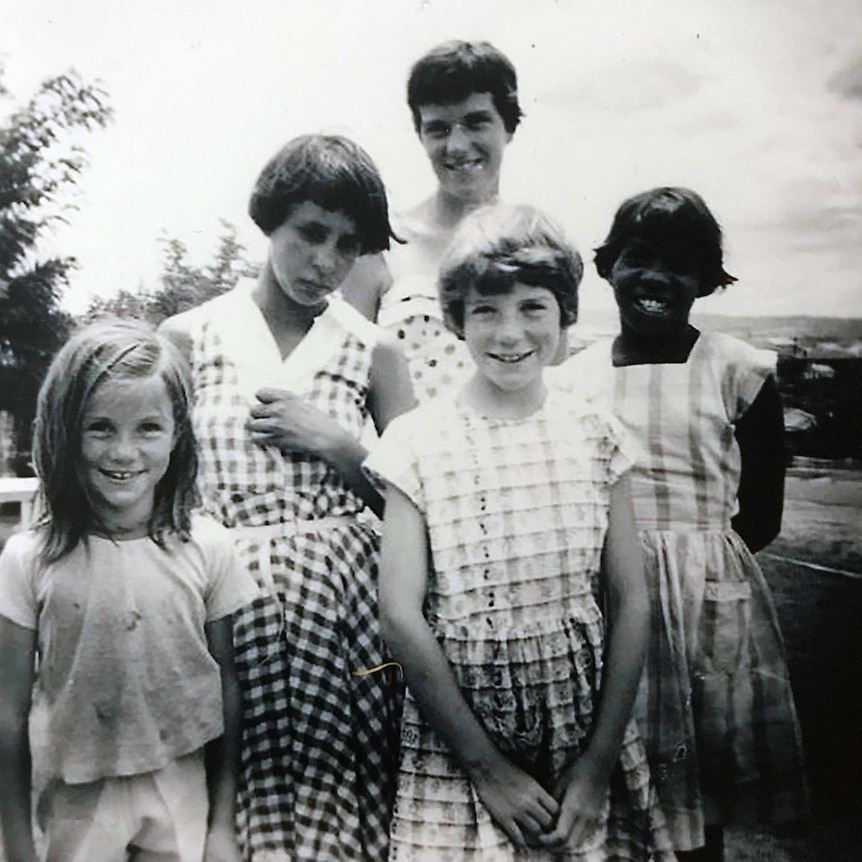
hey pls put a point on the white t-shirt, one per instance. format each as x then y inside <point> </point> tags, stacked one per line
<point>125,676</point>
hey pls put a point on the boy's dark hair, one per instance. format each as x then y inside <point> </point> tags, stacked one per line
<point>453,71</point>
<point>332,172</point>
<point>675,218</point>
<point>108,349</point>
<point>498,246</point>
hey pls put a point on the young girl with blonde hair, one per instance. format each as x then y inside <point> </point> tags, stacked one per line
<point>118,605</point>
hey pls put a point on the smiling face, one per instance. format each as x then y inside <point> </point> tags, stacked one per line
<point>465,142</point>
<point>654,287</point>
<point>126,442</point>
<point>311,253</point>
<point>511,336</point>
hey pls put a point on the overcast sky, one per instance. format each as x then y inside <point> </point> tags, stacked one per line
<point>756,104</point>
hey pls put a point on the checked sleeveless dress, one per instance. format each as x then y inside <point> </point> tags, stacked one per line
<point>715,706</point>
<point>516,512</point>
<point>319,742</point>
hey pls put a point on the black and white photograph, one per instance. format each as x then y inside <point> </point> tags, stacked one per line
<point>430,431</point>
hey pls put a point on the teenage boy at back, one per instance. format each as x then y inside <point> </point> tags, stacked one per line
<point>464,100</point>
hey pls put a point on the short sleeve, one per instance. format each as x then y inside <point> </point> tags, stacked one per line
<point>231,586</point>
<point>617,449</point>
<point>624,451</point>
<point>393,459</point>
<point>746,370</point>
<point>18,567</point>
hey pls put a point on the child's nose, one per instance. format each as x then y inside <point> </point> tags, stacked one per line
<point>325,258</point>
<point>509,331</point>
<point>458,139</point>
<point>656,272</point>
<point>122,447</point>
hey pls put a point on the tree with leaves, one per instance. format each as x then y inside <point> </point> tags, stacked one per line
<point>183,285</point>
<point>40,161</point>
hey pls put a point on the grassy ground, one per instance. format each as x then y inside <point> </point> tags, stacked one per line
<point>820,613</point>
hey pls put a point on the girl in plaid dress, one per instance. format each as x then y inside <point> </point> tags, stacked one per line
<point>715,707</point>
<point>286,377</point>
<point>503,502</point>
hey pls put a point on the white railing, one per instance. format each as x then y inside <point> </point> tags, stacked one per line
<point>22,491</point>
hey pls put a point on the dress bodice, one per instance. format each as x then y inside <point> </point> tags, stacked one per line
<point>516,510</point>
<point>234,354</point>
<point>684,415</point>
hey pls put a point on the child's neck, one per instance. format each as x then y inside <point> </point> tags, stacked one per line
<point>288,321</point>
<point>492,402</point>
<point>120,532</point>
<point>449,210</point>
<point>635,348</point>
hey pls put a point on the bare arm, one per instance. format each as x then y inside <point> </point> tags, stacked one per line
<point>17,654</point>
<point>760,435</point>
<point>366,283</point>
<point>222,754</point>
<point>294,425</point>
<point>291,424</point>
<point>175,329</point>
<point>390,389</point>
<point>585,785</point>
<point>518,803</point>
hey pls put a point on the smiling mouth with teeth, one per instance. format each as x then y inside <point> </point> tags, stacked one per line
<point>121,475</point>
<point>465,166</point>
<point>653,306</point>
<point>511,358</point>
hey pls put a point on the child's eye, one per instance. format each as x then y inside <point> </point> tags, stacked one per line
<point>634,257</point>
<point>349,245</point>
<point>476,124</point>
<point>97,427</point>
<point>534,308</point>
<point>152,427</point>
<point>480,310</point>
<point>313,233</point>
<point>436,130</point>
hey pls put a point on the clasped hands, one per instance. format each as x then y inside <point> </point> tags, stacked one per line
<point>532,817</point>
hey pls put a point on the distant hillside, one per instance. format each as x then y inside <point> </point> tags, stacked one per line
<point>804,336</point>
<point>819,373</point>
<point>811,335</point>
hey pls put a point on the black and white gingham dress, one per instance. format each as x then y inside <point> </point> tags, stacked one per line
<point>319,742</point>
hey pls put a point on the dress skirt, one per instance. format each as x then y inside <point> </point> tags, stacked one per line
<point>715,703</point>
<point>320,740</point>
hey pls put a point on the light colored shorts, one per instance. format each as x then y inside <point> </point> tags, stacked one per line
<point>154,817</point>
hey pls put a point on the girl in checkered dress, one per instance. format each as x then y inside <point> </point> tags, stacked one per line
<point>505,504</point>
<point>286,377</point>
<point>716,707</point>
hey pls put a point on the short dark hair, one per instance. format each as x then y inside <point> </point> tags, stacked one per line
<point>453,71</point>
<point>672,217</point>
<point>498,246</point>
<point>108,349</point>
<point>332,172</point>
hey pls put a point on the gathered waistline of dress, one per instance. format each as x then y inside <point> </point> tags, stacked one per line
<point>263,533</point>
<point>678,529</point>
<point>479,627</point>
